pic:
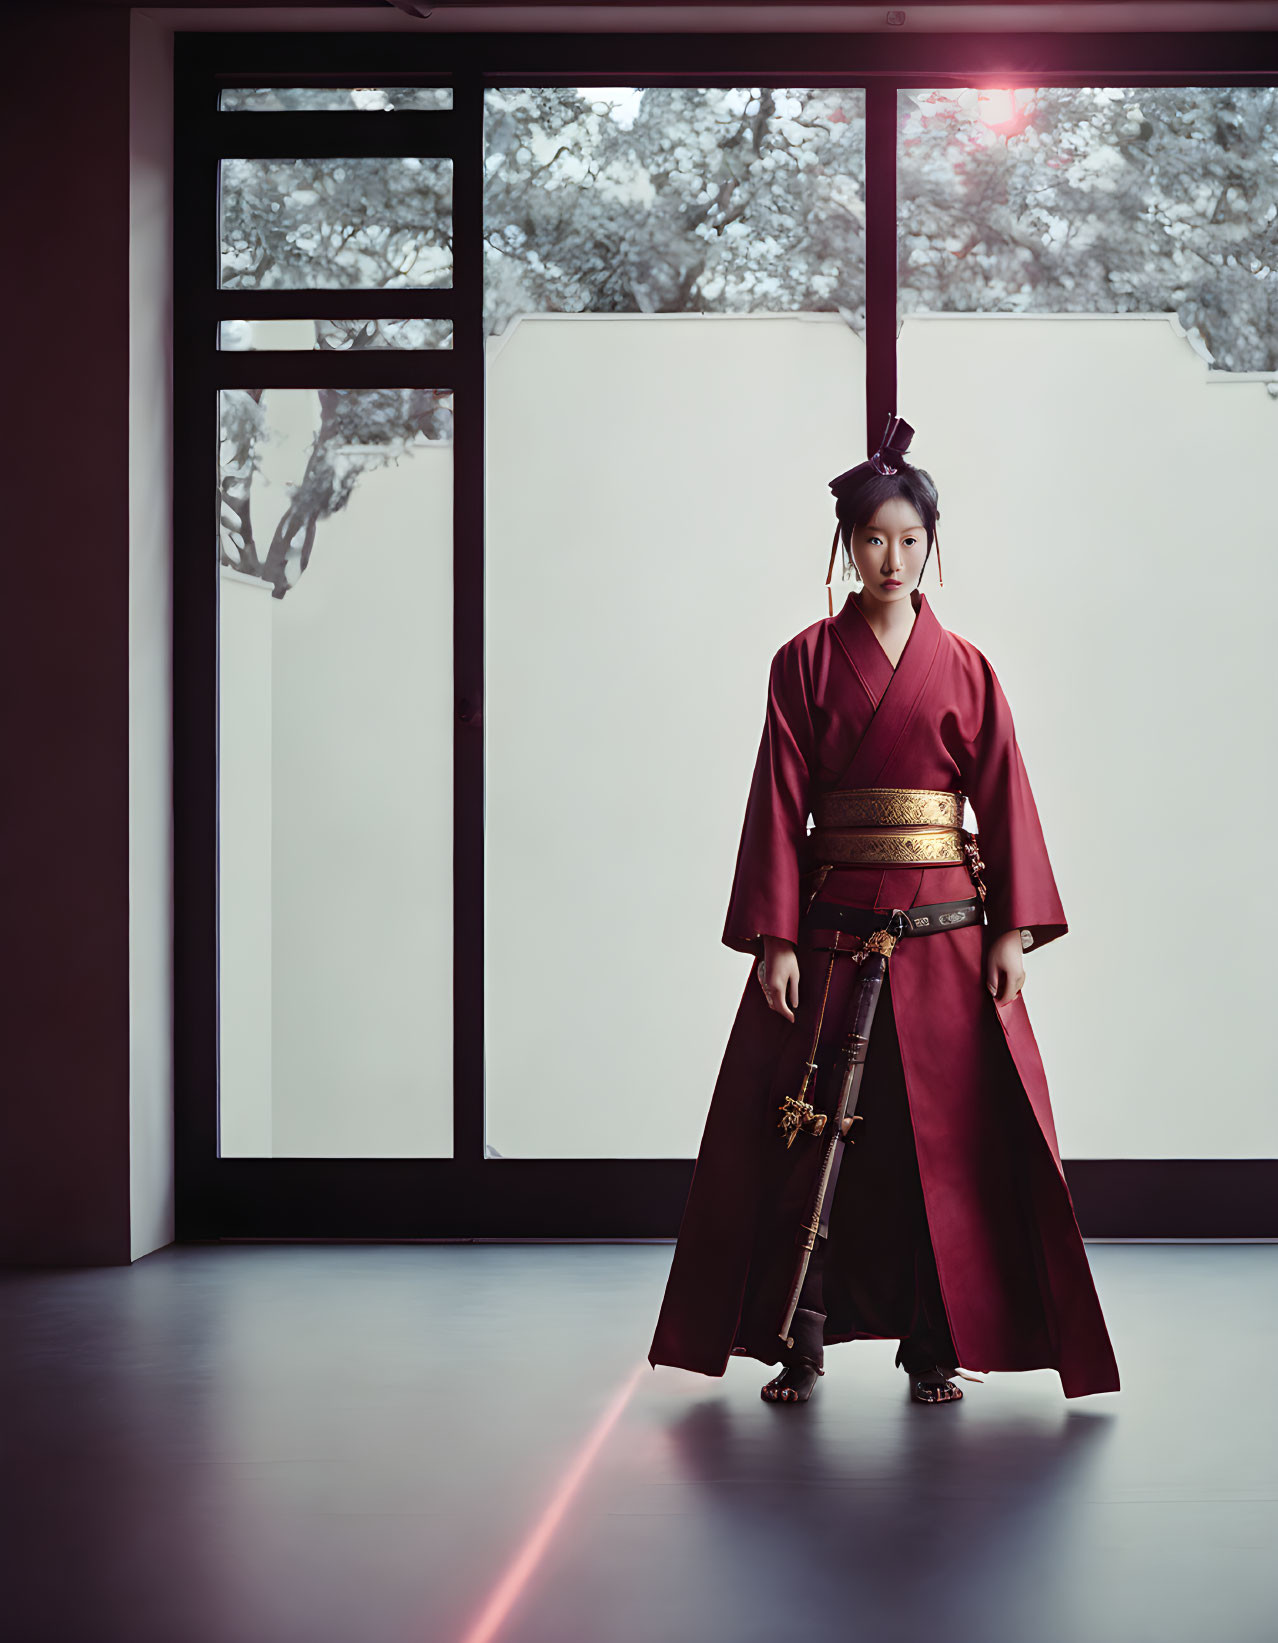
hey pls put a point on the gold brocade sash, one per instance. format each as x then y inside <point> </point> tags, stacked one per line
<point>886,826</point>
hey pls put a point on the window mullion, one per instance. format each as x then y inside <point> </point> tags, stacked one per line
<point>880,258</point>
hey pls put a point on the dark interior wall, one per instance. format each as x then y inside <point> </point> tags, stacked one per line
<point>64,1058</point>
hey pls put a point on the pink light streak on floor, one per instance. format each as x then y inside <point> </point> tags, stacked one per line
<point>524,1565</point>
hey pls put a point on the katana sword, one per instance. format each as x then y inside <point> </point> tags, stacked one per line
<point>833,1128</point>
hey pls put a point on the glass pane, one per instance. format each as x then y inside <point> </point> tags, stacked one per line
<point>1160,200</point>
<point>660,437</point>
<point>336,224</point>
<point>331,99</point>
<point>335,759</point>
<point>673,200</point>
<point>1089,356</point>
<point>334,335</point>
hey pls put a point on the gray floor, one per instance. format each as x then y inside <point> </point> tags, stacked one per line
<point>322,1444</point>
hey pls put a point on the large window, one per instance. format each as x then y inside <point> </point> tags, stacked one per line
<point>326,335</point>
<point>507,401</point>
<point>335,665</point>
<point>676,281</point>
<point>1089,347</point>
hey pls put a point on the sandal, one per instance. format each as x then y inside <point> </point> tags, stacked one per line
<point>802,1361</point>
<point>934,1383</point>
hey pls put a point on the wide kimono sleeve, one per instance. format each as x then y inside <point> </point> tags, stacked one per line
<point>765,886</point>
<point>1021,888</point>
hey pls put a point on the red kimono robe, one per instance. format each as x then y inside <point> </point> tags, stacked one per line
<point>1013,1271</point>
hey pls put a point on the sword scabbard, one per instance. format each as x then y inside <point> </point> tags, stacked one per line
<point>836,1126</point>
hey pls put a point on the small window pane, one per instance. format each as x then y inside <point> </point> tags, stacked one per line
<point>1095,200</point>
<point>333,335</point>
<point>335,724</point>
<point>673,199</point>
<point>331,99</point>
<point>367,223</point>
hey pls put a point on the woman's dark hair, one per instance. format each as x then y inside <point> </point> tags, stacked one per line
<point>861,492</point>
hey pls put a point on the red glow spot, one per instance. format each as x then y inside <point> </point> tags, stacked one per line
<point>524,1564</point>
<point>996,108</point>
<point>1003,112</point>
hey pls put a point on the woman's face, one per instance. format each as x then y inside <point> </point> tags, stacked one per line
<point>889,550</point>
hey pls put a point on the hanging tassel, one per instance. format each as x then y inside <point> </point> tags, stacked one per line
<point>940,579</point>
<point>834,548</point>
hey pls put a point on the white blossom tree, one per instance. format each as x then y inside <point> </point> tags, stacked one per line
<point>1162,200</point>
<point>673,200</point>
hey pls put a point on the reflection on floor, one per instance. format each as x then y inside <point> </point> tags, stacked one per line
<point>412,1444</point>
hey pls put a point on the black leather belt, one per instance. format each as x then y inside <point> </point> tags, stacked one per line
<point>912,921</point>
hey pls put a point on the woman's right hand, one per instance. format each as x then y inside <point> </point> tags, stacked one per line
<point>778,972</point>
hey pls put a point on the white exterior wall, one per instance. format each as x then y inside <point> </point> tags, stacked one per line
<point>657,505</point>
<point>361,827</point>
<point>658,524</point>
<point>1109,538</point>
<point>246,796</point>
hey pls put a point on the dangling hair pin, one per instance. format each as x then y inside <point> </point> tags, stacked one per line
<point>834,548</point>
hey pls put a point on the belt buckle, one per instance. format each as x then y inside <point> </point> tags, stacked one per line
<point>899,923</point>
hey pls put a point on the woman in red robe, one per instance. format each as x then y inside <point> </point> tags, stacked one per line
<point>952,1227</point>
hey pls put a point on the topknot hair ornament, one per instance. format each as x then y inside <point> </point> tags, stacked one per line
<point>889,458</point>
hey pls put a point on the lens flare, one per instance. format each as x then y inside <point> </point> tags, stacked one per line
<point>997,106</point>
<point>523,1566</point>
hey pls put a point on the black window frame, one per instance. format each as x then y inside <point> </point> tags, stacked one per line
<point>469,1196</point>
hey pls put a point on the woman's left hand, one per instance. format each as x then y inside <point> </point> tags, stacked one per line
<point>1005,967</point>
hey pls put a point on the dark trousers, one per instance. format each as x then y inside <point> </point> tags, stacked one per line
<point>927,1340</point>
